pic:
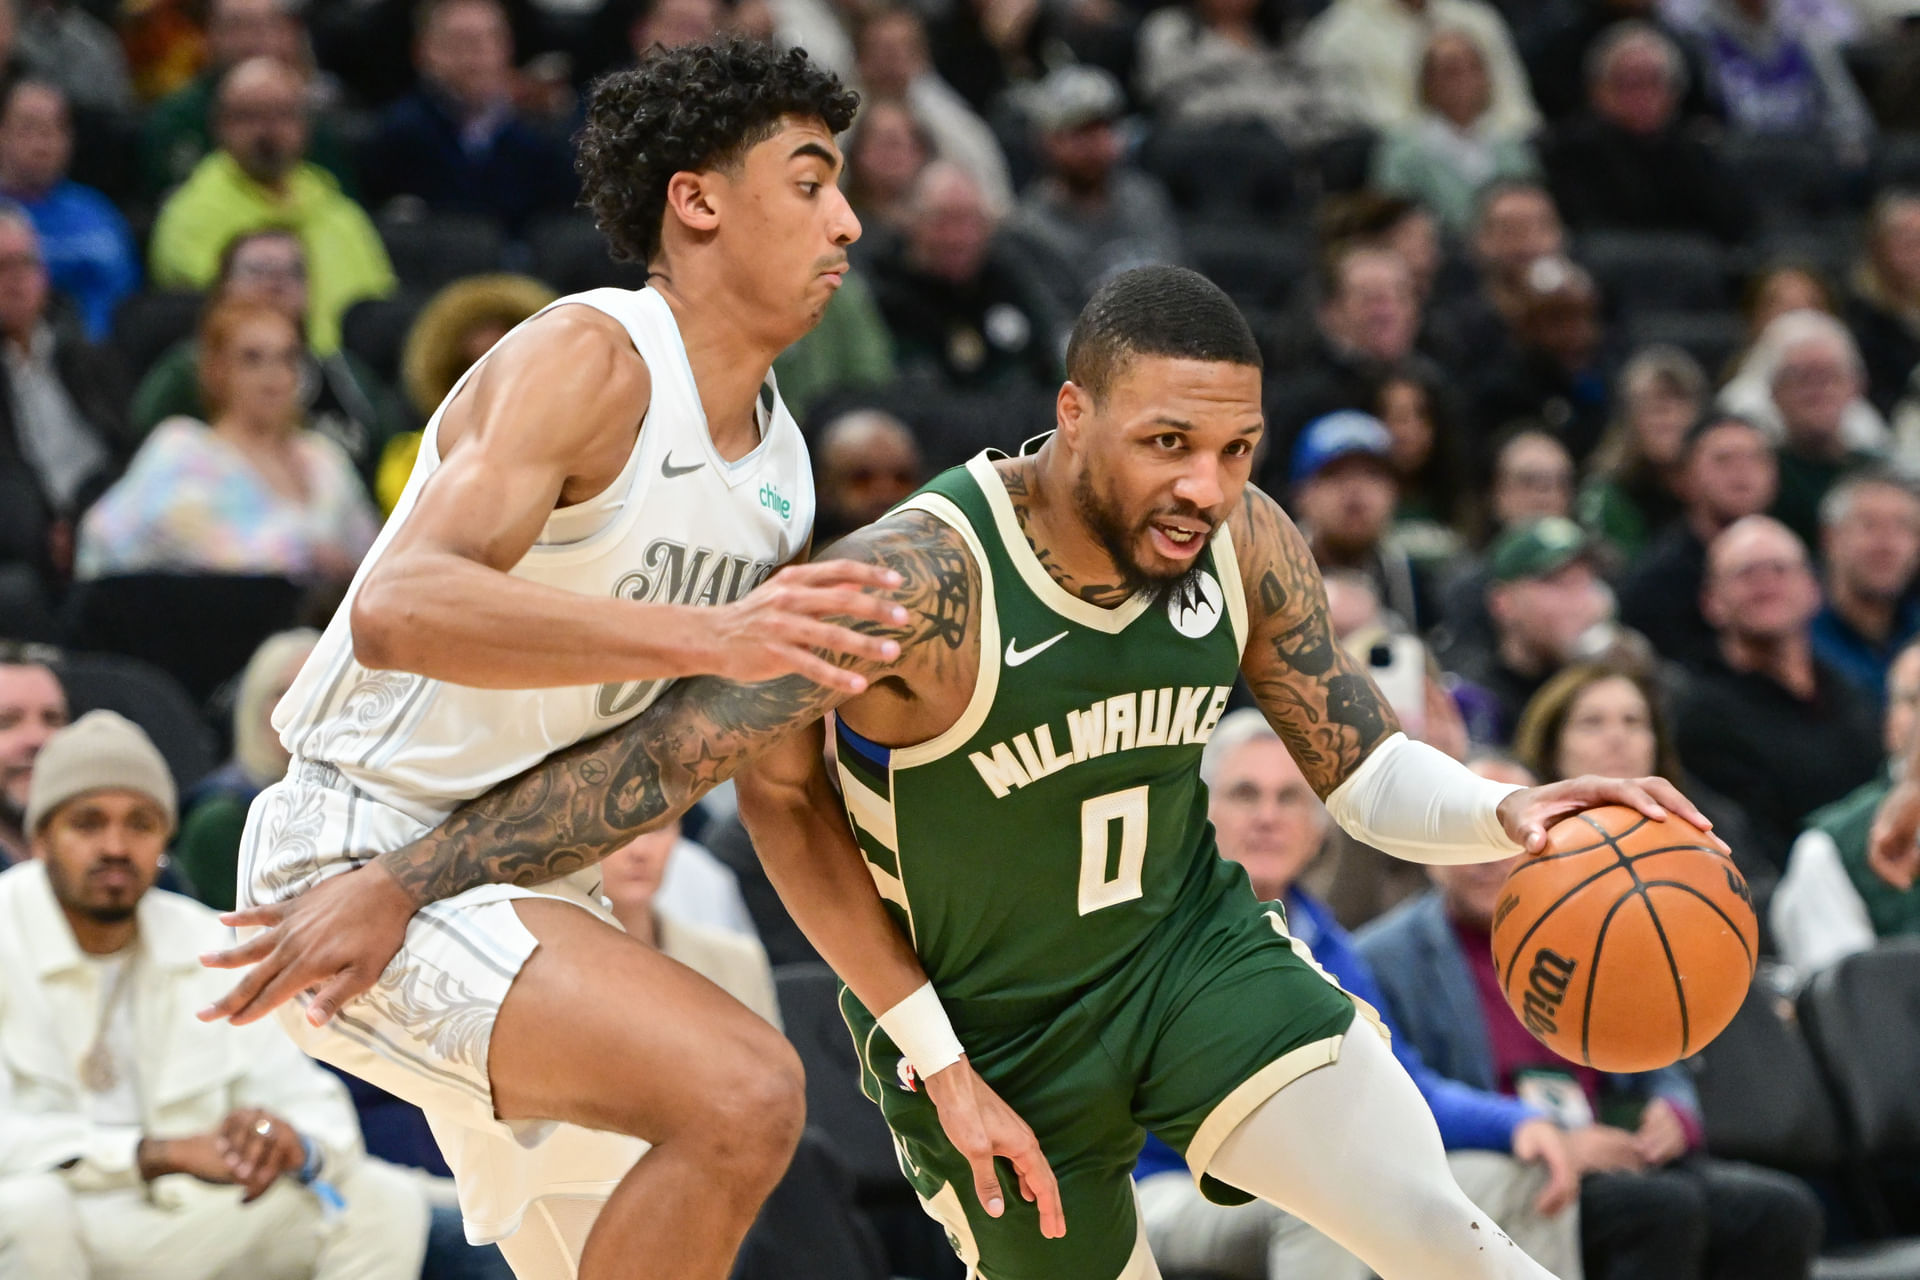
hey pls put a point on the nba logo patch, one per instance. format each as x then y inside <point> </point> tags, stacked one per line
<point>903,1074</point>
<point>1195,605</point>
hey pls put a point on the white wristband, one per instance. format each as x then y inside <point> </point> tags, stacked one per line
<point>919,1026</point>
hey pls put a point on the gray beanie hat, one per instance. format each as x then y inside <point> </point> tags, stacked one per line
<point>100,751</point>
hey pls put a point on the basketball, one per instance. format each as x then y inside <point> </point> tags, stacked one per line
<point>1628,944</point>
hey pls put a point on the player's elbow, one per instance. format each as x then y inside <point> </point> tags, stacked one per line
<point>378,627</point>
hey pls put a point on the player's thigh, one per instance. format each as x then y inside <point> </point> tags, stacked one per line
<point>1104,1240</point>
<point>1240,1011</point>
<point>1074,1095</point>
<point>602,1031</point>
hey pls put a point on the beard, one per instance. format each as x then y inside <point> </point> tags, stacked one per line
<point>1118,539</point>
<point>266,161</point>
<point>70,889</point>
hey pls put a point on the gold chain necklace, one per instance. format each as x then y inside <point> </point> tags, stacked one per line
<point>97,1071</point>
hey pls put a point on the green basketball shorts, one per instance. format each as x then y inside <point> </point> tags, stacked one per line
<point>1218,1011</point>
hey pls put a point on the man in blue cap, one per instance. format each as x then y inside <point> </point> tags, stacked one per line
<point>1343,491</point>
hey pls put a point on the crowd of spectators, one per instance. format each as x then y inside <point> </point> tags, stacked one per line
<point>1591,330</point>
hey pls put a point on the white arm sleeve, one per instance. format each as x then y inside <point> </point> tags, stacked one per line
<point>1418,803</point>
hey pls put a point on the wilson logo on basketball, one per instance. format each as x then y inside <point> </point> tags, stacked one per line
<point>1546,988</point>
<point>1739,886</point>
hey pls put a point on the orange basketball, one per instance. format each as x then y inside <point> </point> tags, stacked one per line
<point>1629,944</point>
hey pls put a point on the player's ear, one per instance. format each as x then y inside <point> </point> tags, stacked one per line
<point>1072,407</point>
<point>690,198</point>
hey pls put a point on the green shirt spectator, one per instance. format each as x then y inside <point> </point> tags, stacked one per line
<point>259,179</point>
<point>178,135</point>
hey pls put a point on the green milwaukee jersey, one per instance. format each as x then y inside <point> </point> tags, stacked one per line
<point>1033,847</point>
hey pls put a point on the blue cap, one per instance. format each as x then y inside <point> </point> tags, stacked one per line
<point>1336,435</point>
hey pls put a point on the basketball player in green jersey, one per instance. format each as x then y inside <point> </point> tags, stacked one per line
<point>1023,787</point>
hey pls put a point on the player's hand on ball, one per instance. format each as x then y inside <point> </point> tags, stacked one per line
<point>780,626</point>
<point>1526,814</point>
<point>981,1126</point>
<point>335,940</point>
<point>1891,848</point>
<point>1541,1141</point>
<point>1661,1139</point>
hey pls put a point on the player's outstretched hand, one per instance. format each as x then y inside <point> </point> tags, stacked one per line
<point>334,939</point>
<point>982,1126</point>
<point>1891,848</point>
<point>780,628</point>
<point>1527,813</point>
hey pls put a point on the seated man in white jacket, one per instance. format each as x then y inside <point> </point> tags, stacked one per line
<point>1833,902</point>
<point>136,1141</point>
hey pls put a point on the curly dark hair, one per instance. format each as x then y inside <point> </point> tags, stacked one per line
<point>696,107</point>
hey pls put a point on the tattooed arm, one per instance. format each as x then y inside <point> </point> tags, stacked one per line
<point>1400,796</point>
<point>1317,699</point>
<point>578,806</point>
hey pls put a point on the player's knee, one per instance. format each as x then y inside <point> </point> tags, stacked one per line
<point>754,1111</point>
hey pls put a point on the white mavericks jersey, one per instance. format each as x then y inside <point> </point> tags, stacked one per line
<point>680,525</point>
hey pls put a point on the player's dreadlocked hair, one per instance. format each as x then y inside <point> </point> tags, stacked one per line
<point>1156,311</point>
<point>696,107</point>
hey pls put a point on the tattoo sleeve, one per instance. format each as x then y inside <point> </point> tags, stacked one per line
<point>579,805</point>
<point>1316,697</point>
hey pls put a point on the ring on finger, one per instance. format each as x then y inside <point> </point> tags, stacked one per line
<point>264,1128</point>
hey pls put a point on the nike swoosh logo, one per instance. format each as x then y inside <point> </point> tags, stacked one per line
<point>1016,655</point>
<point>668,470</point>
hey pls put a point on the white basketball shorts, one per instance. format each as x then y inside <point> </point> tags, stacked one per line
<point>423,1032</point>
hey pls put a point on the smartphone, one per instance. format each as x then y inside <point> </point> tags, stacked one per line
<point>1398,664</point>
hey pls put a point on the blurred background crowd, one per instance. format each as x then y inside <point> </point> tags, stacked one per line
<point>1591,330</point>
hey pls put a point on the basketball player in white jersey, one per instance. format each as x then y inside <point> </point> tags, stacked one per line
<point>594,505</point>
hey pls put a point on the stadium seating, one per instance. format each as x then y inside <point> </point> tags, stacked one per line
<point>1663,271</point>
<point>148,323</point>
<point>1792,181</point>
<point>1711,337</point>
<point>151,699</point>
<point>375,329</point>
<point>1763,1100</point>
<point>570,254</point>
<point>437,249</point>
<point>1260,268</point>
<point>214,622</point>
<point>1235,173</point>
<point>1862,1018</point>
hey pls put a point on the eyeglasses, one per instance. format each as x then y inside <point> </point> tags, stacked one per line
<point>269,271</point>
<point>1759,568</point>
